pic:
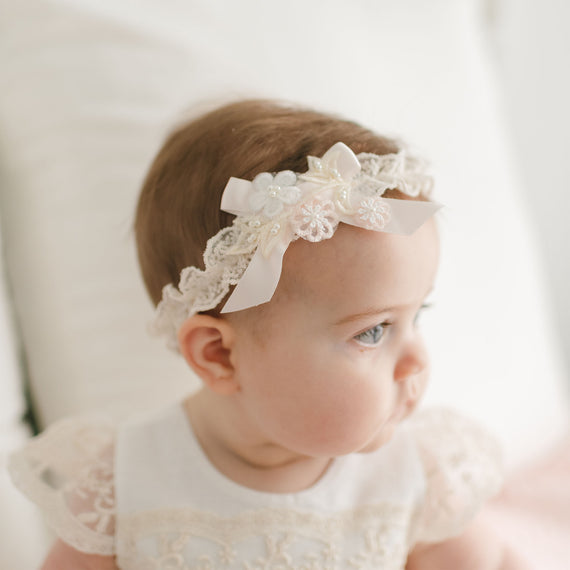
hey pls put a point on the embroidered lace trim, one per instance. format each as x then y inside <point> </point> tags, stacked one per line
<point>68,472</point>
<point>399,170</point>
<point>370,537</point>
<point>463,466</point>
<point>202,290</point>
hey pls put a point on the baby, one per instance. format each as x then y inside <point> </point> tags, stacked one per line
<point>290,254</point>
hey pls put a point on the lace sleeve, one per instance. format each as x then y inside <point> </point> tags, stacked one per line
<point>463,468</point>
<point>68,472</point>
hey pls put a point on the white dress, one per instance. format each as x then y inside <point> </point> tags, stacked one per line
<point>146,492</point>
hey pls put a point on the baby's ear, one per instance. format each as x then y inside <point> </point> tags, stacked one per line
<point>206,343</point>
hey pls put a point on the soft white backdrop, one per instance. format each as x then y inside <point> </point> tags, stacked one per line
<point>531,45</point>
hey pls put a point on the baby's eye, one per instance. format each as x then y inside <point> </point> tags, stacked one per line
<point>372,336</point>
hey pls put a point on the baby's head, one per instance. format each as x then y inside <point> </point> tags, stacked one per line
<point>317,346</point>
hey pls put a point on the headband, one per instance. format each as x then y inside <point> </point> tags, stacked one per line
<point>273,210</point>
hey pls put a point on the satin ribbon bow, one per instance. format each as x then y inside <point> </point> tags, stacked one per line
<point>279,209</point>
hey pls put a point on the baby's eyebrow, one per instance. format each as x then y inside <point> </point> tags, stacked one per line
<point>372,311</point>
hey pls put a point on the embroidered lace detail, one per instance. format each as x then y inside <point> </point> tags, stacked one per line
<point>401,170</point>
<point>370,537</point>
<point>463,465</point>
<point>316,220</point>
<point>374,213</point>
<point>275,209</point>
<point>68,472</point>
<point>226,258</point>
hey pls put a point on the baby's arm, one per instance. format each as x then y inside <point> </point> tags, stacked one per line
<point>476,549</point>
<point>64,557</point>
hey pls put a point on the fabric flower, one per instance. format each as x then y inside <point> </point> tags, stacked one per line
<point>316,220</point>
<point>335,171</point>
<point>271,193</point>
<point>374,213</point>
<point>322,170</point>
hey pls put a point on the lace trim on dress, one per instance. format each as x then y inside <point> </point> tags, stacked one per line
<point>463,465</point>
<point>266,539</point>
<point>68,472</point>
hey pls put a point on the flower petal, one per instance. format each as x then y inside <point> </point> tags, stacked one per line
<point>340,157</point>
<point>289,194</point>
<point>257,200</point>
<point>273,206</point>
<point>262,181</point>
<point>285,178</point>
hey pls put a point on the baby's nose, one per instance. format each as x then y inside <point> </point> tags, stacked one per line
<point>412,361</point>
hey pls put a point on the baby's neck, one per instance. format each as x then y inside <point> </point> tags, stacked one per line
<point>242,455</point>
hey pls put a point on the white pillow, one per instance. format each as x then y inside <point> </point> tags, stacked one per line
<point>19,517</point>
<point>92,86</point>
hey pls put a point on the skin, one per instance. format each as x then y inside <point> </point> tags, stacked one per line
<point>476,549</point>
<point>64,557</point>
<point>328,367</point>
<point>289,389</point>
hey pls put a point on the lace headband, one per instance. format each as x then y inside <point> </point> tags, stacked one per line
<point>275,209</point>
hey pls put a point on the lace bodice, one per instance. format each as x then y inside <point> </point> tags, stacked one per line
<point>146,492</point>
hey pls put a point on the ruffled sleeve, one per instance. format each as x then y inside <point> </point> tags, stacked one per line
<point>68,472</point>
<point>463,468</point>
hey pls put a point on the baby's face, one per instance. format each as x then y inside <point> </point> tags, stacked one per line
<point>336,360</point>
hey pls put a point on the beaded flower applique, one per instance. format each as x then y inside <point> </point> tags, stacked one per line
<point>273,210</point>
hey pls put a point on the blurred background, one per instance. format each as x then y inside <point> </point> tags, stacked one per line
<point>531,50</point>
<point>89,89</point>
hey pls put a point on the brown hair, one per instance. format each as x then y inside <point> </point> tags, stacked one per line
<point>179,205</point>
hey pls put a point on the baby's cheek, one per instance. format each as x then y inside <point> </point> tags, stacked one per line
<point>327,425</point>
<point>354,418</point>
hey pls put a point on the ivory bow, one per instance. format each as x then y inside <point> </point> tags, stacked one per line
<point>328,193</point>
